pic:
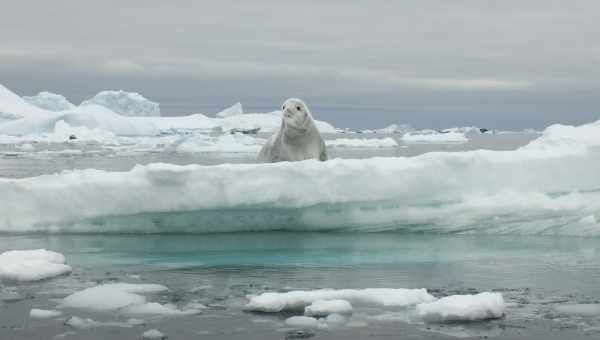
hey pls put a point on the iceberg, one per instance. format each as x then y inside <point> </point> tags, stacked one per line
<point>125,103</point>
<point>50,101</point>
<point>235,109</point>
<point>481,306</point>
<point>32,265</point>
<point>14,107</point>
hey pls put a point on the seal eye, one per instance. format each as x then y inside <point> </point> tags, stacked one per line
<point>283,107</point>
<point>298,108</point>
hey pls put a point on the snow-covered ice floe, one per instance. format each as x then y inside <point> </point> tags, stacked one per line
<point>387,142</point>
<point>549,186</point>
<point>481,306</point>
<point>434,137</point>
<point>43,313</point>
<point>125,298</point>
<point>327,307</point>
<point>32,265</point>
<point>299,300</point>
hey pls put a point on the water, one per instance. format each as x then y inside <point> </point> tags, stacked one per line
<point>536,274</point>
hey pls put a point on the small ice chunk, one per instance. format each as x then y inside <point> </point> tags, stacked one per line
<point>43,313</point>
<point>581,309</point>
<point>32,265</point>
<point>481,306</point>
<point>154,334</point>
<point>299,299</point>
<point>326,307</point>
<point>136,322</point>
<point>81,323</point>
<point>335,319</point>
<point>111,296</point>
<point>302,322</point>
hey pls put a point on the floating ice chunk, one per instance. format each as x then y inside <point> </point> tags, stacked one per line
<point>387,142</point>
<point>463,308</point>
<point>43,313</point>
<point>112,296</point>
<point>136,322</point>
<point>81,323</point>
<point>582,309</point>
<point>50,101</point>
<point>303,322</point>
<point>298,300</point>
<point>125,103</point>
<point>32,265</point>
<point>434,137</point>
<point>235,109</point>
<point>154,334</point>
<point>326,307</point>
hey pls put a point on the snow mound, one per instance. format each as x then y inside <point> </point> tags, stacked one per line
<point>298,300</point>
<point>481,306</point>
<point>434,137</point>
<point>327,307</point>
<point>126,298</point>
<point>32,265</point>
<point>50,101</point>
<point>387,142</point>
<point>235,109</point>
<point>43,314</point>
<point>125,103</point>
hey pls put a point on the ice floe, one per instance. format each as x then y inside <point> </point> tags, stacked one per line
<point>434,137</point>
<point>32,265</point>
<point>481,306</point>
<point>235,109</point>
<point>387,142</point>
<point>126,298</point>
<point>298,300</point>
<point>153,334</point>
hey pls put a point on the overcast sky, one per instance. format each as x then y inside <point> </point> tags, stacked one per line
<point>428,63</point>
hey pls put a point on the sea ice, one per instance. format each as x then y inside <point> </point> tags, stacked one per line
<point>298,300</point>
<point>327,307</point>
<point>32,265</point>
<point>303,322</point>
<point>111,296</point>
<point>43,313</point>
<point>125,103</point>
<point>85,323</point>
<point>463,308</point>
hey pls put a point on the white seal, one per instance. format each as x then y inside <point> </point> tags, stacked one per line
<point>297,139</point>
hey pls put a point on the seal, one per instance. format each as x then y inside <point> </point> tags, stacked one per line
<point>297,139</point>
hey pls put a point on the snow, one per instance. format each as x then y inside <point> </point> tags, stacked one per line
<point>153,334</point>
<point>13,107</point>
<point>111,296</point>
<point>32,265</point>
<point>50,101</point>
<point>481,306</point>
<point>434,137</point>
<point>387,142</point>
<point>327,307</point>
<point>43,314</point>
<point>235,109</point>
<point>125,103</point>
<point>298,300</point>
